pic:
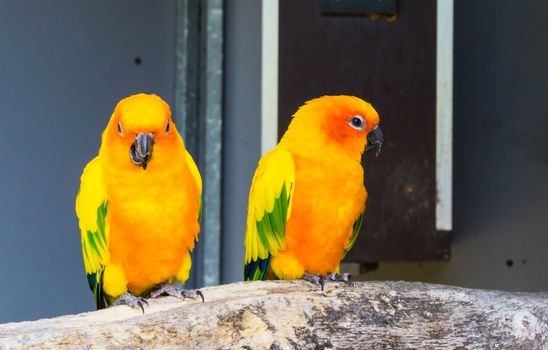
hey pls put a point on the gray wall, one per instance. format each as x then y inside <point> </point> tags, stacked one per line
<point>63,67</point>
<point>500,236</point>
<point>242,125</point>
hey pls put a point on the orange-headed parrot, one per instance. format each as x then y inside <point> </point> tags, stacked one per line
<point>139,207</point>
<point>307,197</point>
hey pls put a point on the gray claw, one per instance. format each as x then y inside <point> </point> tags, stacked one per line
<point>316,279</point>
<point>132,301</point>
<point>199,292</point>
<point>192,293</point>
<point>344,277</point>
<point>176,291</point>
<point>320,280</point>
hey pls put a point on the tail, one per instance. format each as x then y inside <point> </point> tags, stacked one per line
<point>256,270</point>
<point>95,281</point>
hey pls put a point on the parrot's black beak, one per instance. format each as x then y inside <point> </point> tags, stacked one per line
<point>375,139</point>
<point>141,149</point>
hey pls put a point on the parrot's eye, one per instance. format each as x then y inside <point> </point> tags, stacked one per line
<point>120,130</point>
<point>167,127</point>
<point>357,122</point>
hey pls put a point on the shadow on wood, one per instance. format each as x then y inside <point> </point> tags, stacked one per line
<point>296,314</point>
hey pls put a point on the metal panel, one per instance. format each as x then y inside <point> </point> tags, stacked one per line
<point>242,125</point>
<point>188,73</point>
<point>199,112</point>
<point>211,114</point>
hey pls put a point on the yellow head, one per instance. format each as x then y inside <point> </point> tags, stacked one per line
<point>140,134</point>
<point>347,122</point>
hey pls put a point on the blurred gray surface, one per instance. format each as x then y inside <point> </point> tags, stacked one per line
<point>63,67</point>
<point>242,126</point>
<point>500,236</point>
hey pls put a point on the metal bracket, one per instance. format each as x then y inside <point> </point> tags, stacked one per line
<point>370,8</point>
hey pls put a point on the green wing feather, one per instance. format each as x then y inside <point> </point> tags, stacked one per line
<point>197,179</point>
<point>268,212</point>
<point>92,209</point>
<point>352,239</point>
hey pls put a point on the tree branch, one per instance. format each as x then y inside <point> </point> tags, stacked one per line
<point>296,314</point>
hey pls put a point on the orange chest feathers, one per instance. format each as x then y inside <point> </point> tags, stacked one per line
<point>328,198</point>
<point>153,223</point>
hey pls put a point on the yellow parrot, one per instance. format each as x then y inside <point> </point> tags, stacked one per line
<point>139,207</point>
<point>307,196</point>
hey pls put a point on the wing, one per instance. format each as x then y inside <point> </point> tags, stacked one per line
<point>268,211</point>
<point>91,209</point>
<point>352,239</point>
<point>197,178</point>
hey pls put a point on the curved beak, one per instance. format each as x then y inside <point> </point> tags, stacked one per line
<point>375,139</point>
<point>141,149</point>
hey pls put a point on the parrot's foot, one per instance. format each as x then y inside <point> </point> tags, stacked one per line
<point>339,277</point>
<point>176,291</point>
<point>319,279</point>
<point>131,300</point>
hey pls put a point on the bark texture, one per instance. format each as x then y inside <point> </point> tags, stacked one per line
<point>297,315</point>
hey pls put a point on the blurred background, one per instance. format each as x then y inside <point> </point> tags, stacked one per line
<point>458,196</point>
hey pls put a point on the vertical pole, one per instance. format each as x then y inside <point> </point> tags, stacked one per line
<point>269,75</point>
<point>211,147</point>
<point>187,70</point>
<point>198,115</point>
<point>444,115</point>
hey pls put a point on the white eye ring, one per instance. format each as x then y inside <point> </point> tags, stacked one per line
<point>120,130</point>
<point>357,122</point>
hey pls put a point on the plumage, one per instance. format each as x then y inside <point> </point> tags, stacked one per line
<point>307,197</point>
<point>138,221</point>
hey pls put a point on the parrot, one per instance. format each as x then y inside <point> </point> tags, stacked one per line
<point>307,196</point>
<point>139,207</point>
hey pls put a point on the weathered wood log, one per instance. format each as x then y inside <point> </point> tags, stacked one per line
<point>296,314</point>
